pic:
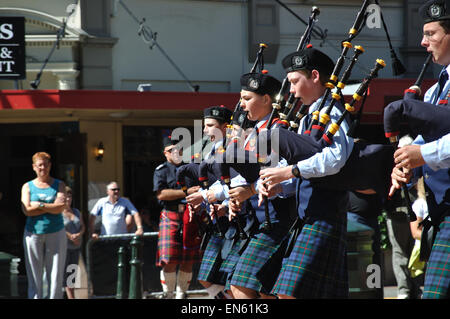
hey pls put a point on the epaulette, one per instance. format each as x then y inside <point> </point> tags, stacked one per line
<point>160,166</point>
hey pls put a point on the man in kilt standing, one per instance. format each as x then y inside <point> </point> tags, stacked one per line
<point>316,267</point>
<point>430,158</point>
<point>176,248</point>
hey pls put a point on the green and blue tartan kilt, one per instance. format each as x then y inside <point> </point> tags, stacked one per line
<point>317,266</point>
<point>229,264</point>
<point>172,247</point>
<point>212,261</point>
<point>258,252</point>
<point>437,274</point>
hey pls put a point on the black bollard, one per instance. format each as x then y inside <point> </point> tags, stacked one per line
<point>120,290</point>
<point>136,288</point>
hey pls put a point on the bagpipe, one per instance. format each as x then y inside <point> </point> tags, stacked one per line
<point>239,120</point>
<point>359,172</point>
<point>187,176</point>
<point>243,163</point>
<point>414,91</point>
<point>287,115</point>
<point>346,46</point>
<point>423,118</point>
<point>234,136</point>
<point>369,165</point>
<point>205,168</point>
<point>285,108</point>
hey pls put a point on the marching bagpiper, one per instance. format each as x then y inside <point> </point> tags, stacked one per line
<point>436,29</point>
<point>257,95</point>
<point>216,121</point>
<point>316,267</point>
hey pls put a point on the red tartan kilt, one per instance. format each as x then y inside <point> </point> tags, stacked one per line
<point>172,248</point>
<point>191,238</point>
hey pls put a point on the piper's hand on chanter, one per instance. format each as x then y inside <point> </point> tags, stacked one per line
<point>240,194</point>
<point>275,175</point>
<point>408,157</point>
<point>193,189</point>
<point>233,208</point>
<point>211,196</point>
<point>399,177</point>
<point>194,199</point>
<point>220,209</point>
<point>193,209</point>
<point>267,190</point>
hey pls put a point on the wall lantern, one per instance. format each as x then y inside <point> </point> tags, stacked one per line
<point>99,152</point>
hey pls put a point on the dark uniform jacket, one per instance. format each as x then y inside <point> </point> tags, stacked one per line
<point>165,178</point>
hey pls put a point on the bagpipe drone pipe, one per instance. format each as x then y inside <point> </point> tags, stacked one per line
<point>346,46</point>
<point>284,108</point>
<point>239,119</point>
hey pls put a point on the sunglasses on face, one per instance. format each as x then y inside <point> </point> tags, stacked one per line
<point>115,189</point>
<point>172,150</point>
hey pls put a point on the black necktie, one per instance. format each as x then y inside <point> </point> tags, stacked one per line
<point>443,78</point>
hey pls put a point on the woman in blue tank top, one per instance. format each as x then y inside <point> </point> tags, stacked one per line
<point>45,242</point>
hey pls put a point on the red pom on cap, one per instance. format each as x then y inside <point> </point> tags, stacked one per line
<point>264,71</point>
<point>309,46</point>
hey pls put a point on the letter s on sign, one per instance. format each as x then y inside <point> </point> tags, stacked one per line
<point>6,31</point>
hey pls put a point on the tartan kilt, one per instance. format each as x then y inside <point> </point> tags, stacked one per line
<point>437,274</point>
<point>317,266</point>
<point>174,247</point>
<point>191,238</point>
<point>229,264</point>
<point>258,252</point>
<point>211,262</point>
